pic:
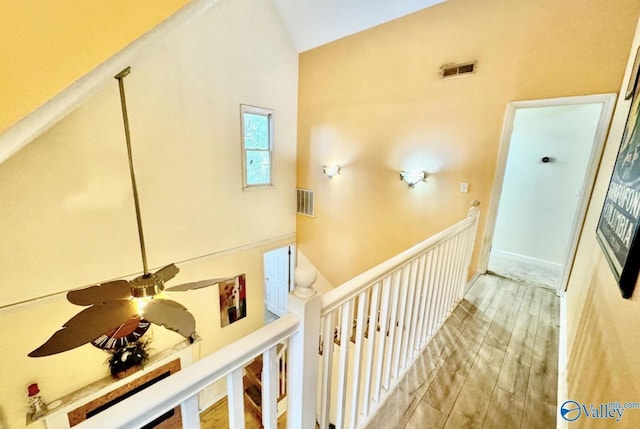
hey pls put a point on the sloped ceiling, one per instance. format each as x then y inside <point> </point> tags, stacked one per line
<point>312,23</point>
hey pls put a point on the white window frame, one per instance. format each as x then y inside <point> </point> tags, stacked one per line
<point>244,108</point>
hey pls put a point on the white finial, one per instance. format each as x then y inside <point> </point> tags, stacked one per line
<point>304,277</point>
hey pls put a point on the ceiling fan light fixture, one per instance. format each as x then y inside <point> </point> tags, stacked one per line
<point>141,303</point>
<point>147,286</point>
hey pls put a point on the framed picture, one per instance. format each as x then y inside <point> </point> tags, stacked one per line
<point>633,78</point>
<point>617,230</point>
<point>233,300</point>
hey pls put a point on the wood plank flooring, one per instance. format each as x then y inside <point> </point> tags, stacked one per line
<point>492,365</point>
<point>217,417</point>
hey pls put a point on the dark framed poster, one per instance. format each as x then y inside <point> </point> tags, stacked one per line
<point>617,230</point>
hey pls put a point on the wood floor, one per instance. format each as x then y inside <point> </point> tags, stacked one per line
<point>217,417</point>
<point>492,365</point>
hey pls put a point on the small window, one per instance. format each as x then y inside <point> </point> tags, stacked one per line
<point>257,146</point>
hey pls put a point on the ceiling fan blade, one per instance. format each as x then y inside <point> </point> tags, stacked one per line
<point>197,285</point>
<point>171,315</point>
<point>168,272</point>
<point>118,289</point>
<point>88,325</point>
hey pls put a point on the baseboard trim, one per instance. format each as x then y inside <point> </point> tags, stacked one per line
<point>563,361</point>
<point>525,259</point>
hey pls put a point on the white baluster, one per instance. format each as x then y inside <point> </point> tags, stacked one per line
<point>378,368</point>
<point>417,303</point>
<point>409,311</point>
<point>422,309</point>
<point>327,369</point>
<point>269,381</point>
<point>363,303</point>
<point>371,343</point>
<point>235,396</point>
<point>388,361</point>
<point>343,363</point>
<point>190,413</point>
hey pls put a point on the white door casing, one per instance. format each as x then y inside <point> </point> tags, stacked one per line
<point>608,102</point>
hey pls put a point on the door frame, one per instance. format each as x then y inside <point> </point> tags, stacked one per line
<point>608,103</point>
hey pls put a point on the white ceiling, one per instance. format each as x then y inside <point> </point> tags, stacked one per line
<point>312,23</point>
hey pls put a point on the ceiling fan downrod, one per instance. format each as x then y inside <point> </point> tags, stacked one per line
<point>123,102</point>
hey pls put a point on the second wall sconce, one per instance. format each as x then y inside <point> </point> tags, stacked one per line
<point>331,170</point>
<point>413,177</point>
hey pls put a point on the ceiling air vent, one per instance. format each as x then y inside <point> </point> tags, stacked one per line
<point>453,70</point>
<point>305,202</point>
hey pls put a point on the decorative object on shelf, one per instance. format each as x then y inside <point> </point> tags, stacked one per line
<point>37,407</point>
<point>411,178</point>
<point>617,229</point>
<point>133,356</point>
<point>233,300</point>
<point>124,303</point>
<point>331,170</point>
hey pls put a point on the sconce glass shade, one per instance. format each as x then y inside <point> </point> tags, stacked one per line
<point>413,177</point>
<point>331,170</point>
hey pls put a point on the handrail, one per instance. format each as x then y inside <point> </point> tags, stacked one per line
<point>163,396</point>
<point>335,297</point>
<point>374,326</point>
<point>412,293</point>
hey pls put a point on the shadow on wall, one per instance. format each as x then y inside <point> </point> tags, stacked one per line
<point>603,372</point>
<point>322,285</point>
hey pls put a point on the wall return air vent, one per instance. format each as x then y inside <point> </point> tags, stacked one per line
<point>455,70</point>
<point>305,202</point>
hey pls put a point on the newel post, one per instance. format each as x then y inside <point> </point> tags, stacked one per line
<point>302,362</point>
<point>474,213</point>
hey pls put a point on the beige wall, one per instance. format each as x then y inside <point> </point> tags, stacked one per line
<point>374,103</point>
<point>67,213</point>
<point>46,46</point>
<point>603,339</point>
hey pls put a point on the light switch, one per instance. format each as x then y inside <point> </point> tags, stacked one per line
<point>464,187</point>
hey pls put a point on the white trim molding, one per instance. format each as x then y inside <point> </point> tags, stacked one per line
<point>608,103</point>
<point>23,132</point>
<point>563,361</point>
<point>265,244</point>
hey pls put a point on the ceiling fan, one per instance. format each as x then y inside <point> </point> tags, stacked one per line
<point>120,311</point>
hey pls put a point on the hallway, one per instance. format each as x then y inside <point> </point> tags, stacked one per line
<point>494,364</point>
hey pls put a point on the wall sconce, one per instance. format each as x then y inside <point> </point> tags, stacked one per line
<point>331,170</point>
<point>413,177</point>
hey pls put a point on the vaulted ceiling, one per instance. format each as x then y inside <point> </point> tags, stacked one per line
<point>312,23</point>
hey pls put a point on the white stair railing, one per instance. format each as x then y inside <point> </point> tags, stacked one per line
<point>374,326</point>
<point>182,388</point>
<point>382,319</point>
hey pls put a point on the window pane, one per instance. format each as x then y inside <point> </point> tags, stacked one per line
<point>256,131</point>
<point>258,168</point>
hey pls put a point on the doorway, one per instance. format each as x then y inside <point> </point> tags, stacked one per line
<point>546,168</point>
<point>279,265</point>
